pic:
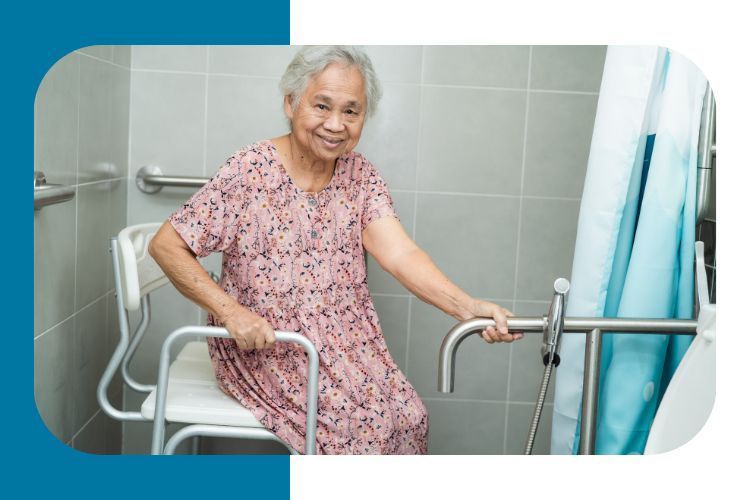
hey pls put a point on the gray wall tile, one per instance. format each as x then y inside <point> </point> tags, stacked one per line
<point>481,368</point>
<point>267,61</point>
<point>70,358</point>
<point>465,428</point>
<point>121,55</point>
<point>54,391</point>
<point>400,64</point>
<point>472,240</point>
<point>389,139</point>
<point>167,122</point>
<point>54,264</point>
<point>519,421</point>
<point>463,150</point>
<point>56,122</point>
<point>169,57</point>
<point>100,51</point>
<point>120,102</point>
<point>482,66</point>
<point>91,354</point>
<point>393,313</point>
<point>95,143</point>
<point>567,67</point>
<point>102,436</point>
<point>93,232</point>
<point>548,235</point>
<point>241,111</point>
<point>558,143</point>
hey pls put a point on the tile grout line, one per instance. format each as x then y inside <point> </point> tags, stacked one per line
<point>77,194</point>
<point>488,195</point>
<point>420,84</point>
<point>205,112</point>
<point>72,315</point>
<point>414,205</point>
<point>78,432</point>
<point>518,238</point>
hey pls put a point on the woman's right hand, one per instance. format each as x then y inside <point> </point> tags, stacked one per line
<point>249,330</point>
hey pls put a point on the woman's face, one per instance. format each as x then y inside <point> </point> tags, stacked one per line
<point>331,113</point>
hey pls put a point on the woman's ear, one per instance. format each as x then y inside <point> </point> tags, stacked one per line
<point>288,106</point>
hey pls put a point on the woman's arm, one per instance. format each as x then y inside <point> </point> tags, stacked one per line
<point>398,254</point>
<point>178,262</point>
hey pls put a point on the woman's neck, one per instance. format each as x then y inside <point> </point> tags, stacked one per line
<point>309,175</point>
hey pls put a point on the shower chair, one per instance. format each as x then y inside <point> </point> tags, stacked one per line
<point>186,391</point>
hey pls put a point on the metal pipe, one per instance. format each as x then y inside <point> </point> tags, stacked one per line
<point>706,156</point>
<point>49,194</point>
<point>225,431</point>
<point>590,403</point>
<point>140,330</point>
<point>157,442</point>
<point>447,355</point>
<point>114,362</point>
<point>150,179</point>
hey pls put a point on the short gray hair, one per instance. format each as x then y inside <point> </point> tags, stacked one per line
<point>313,59</point>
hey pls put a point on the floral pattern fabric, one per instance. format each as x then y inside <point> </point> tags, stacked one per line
<point>296,259</point>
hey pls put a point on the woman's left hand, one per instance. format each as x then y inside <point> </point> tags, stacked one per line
<point>499,332</point>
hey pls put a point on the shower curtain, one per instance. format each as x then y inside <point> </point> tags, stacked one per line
<point>634,248</point>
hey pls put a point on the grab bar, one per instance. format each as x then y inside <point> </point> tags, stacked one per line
<point>49,194</point>
<point>592,327</point>
<point>150,179</point>
<point>706,162</point>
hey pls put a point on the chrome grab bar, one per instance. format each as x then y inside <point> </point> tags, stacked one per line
<point>592,327</point>
<point>706,162</point>
<point>150,179</point>
<point>49,194</point>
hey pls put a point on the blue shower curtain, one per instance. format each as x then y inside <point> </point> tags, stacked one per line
<point>634,249</point>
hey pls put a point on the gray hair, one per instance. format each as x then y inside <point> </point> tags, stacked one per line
<point>313,59</point>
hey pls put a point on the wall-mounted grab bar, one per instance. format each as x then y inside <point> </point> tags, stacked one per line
<point>150,179</point>
<point>706,161</point>
<point>592,327</point>
<point>49,194</point>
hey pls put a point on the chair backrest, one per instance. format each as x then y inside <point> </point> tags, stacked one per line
<point>140,274</point>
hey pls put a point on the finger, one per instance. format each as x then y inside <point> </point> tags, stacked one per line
<point>260,342</point>
<point>494,334</point>
<point>501,322</point>
<point>486,337</point>
<point>270,337</point>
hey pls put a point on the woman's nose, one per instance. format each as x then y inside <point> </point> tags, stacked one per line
<point>334,123</point>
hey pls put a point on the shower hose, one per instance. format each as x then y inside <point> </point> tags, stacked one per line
<point>540,402</point>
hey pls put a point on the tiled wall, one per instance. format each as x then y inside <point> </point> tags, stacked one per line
<point>80,139</point>
<point>484,149</point>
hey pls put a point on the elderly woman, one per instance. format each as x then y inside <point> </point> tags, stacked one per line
<point>293,217</point>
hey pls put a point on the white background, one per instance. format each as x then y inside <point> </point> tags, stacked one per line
<point>714,36</point>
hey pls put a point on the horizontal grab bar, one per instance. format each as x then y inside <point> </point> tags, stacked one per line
<point>150,180</point>
<point>49,194</point>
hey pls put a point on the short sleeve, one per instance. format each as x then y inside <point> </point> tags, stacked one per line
<point>377,199</point>
<point>208,221</point>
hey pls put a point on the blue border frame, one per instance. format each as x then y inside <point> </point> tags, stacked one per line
<point>35,36</point>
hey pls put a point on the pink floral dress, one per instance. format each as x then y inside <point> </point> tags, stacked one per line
<point>296,258</point>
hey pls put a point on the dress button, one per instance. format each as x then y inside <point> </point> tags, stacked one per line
<point>314,234</point>
<point>312,201</point>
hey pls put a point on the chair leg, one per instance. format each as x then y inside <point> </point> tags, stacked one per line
<point>196,447</point>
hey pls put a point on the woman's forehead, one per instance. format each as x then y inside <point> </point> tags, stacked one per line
<point>337,81</point>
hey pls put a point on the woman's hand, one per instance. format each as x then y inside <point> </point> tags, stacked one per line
<point>249,330</point>
<point>498,333</point>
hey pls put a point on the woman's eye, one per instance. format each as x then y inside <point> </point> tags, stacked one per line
<point>321,107</point>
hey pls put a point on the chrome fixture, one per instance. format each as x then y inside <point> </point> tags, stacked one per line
<point>49,194</point>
